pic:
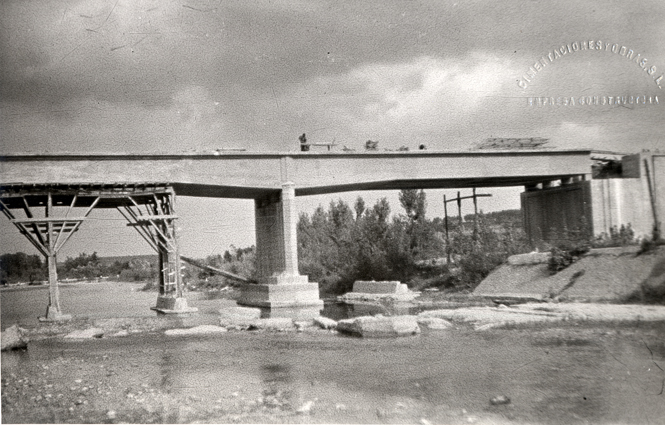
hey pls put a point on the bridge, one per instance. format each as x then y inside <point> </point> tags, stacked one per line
<point>144,188</point>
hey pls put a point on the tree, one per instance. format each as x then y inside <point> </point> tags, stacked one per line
<point>414,203</point>
<point>359,207</point>
<point>21,267</point>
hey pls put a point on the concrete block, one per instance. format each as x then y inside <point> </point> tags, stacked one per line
<point>238,315</point>
<point>380,327</point>
<point>380,287</point>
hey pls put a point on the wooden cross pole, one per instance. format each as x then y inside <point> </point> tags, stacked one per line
<point>459,199</point>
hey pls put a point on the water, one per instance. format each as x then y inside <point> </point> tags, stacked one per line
<point>122,299</point>
<point>558,375</point>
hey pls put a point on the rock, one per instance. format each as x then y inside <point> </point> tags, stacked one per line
<point>499,400</point>
<point>380,327</point>
<point>123,332</point>
<point>86,334</point>
<point>325,323</point>
<point>274,324</point>
<point>433,322</point>
<point>238,316</point>
<point>12,338</point>
<point>111,414</point>
<point>197,330</point>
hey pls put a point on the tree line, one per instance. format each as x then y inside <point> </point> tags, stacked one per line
<point>32,269</point>
<point>340,245</point>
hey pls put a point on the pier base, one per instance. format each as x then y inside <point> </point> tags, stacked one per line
<point>173,305</point>
<point>54,314</point>
<point>285,291</point>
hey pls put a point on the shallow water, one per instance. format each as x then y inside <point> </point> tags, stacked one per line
<point>122,299</point>
<point>559,376</point>
<point>565,374</point>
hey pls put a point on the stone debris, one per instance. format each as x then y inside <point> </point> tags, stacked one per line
<point>306,408</point>
<point>12,338</point>
<point>485,318</point>
<point>380,326</point>
<point>325,323</point>
<point>434,323</point>
<point>86,334</point>
<point>273,324</point>
<point>197,330</point>
<point>499,400</point>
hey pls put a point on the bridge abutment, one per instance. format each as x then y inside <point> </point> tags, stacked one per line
<point>279,282</point>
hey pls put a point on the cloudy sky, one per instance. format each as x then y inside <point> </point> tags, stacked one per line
<point>190,75</point>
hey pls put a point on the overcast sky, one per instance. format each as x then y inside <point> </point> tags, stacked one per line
<point>159,76</point>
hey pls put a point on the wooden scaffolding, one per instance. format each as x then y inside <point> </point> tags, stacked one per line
<point>49,214</point>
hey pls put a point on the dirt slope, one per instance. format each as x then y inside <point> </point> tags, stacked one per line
<point>608,274</point>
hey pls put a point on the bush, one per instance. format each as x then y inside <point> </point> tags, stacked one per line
<point>562,258</point>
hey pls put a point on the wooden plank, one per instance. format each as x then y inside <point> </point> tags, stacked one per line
<point>216,270</point>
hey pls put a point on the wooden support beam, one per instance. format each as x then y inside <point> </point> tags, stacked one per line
<point>48,220</point>
<point>216,270</point>
<point>147,236</point>
<point>147,218</point>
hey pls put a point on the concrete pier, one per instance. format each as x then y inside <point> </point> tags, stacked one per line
<point>279,283</point>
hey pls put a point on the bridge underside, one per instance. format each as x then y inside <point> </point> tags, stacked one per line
<point>217,191</point>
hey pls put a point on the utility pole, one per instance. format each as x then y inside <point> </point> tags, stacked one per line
<point>459,199</point>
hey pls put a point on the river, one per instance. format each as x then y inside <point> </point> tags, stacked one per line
<point>557,374</point>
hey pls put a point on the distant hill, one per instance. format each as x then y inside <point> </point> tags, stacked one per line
<point>512,217</point>
<point>108,261</point>
<point>152,258</point>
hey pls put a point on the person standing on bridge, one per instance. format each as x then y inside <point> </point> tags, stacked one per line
<point>304,147</point>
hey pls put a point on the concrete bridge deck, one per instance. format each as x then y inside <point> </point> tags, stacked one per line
<point>252,175</point>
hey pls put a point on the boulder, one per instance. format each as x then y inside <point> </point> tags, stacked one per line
<point>12,338</point>
<point>325,323</point>
<point>86,334</point>
<point>197,330</point>
<point>435,323</point>
<point>379,326</point>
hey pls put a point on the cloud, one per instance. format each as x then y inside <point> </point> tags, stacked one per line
<point>395,102</point>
